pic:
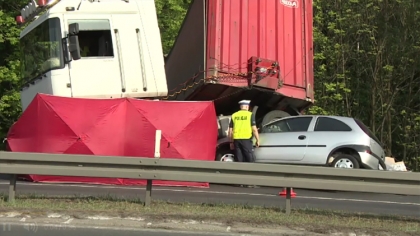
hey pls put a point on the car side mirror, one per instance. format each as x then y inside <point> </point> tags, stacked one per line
<point>74,46</point>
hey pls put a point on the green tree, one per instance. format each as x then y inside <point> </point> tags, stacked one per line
<point>171,14</point>
<point>9,67</point>
<point>367,66</point>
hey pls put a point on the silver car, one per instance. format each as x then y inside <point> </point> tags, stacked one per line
<point>336,141</point>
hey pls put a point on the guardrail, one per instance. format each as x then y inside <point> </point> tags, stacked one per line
<point>272,175</point>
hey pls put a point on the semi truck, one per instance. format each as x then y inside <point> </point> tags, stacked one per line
<point>91,49</point>
<point>226,51</point>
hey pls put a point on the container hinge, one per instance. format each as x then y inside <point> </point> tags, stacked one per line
<point>280,84</point>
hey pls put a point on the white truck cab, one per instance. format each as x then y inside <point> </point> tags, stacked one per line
<point>91,49</point>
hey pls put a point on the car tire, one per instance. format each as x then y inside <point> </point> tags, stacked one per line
<point>382,164</point>
<point>345,161</point>
<point>221,152</point>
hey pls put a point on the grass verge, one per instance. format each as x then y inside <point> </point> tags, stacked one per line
<point>313,220</point>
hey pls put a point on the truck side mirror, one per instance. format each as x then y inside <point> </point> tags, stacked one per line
<point>74,29</point>
<point>74,47</point>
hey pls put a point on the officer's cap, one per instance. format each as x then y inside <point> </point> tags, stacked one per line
<point>244,102</point>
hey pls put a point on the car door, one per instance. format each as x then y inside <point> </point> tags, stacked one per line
<point>328,133</point>
<point>283,141</point>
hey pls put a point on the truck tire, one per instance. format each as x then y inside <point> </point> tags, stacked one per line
<point>272,115</point>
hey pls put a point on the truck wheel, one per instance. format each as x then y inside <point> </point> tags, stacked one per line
<point>345,161</point>
<point>272,115</point>
<point>225,154</point>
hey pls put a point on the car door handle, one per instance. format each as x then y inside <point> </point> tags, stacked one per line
<point>301,137</point>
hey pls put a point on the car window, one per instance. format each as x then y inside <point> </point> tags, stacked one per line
<point>298,124</point>
<point>330,124</point>
<point>368,131</point>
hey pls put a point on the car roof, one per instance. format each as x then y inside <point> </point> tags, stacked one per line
<point>342,118</point>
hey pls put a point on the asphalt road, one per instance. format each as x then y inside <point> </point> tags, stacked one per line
<point>345,201</point>
<point>48,230</point>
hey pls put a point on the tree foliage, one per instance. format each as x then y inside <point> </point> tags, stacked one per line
<point>9,67</point>
<point>171,14</point>
<point>367,65</point>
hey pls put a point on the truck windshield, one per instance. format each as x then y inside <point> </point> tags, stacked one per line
<point>41,49</point>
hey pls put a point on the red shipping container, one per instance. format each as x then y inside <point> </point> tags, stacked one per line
<point>224,37</point>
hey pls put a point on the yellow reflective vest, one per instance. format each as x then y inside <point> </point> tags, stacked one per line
<point>242,128</point>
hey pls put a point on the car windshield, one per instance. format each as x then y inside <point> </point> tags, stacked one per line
<point>367,131</point>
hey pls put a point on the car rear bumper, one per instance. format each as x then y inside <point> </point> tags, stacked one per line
<point>369,161</point>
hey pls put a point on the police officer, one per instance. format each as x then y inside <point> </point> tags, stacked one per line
<point>241,128</point>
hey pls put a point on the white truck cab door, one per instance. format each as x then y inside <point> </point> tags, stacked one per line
<point>97,73</point>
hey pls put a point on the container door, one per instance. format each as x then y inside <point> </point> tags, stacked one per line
<point>97,73</point>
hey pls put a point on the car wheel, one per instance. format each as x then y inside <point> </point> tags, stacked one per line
<point>225,154</point>
<point>345,161</point>
<point>382,164</point>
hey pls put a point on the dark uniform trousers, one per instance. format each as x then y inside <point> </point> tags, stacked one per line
<point>243,150</point>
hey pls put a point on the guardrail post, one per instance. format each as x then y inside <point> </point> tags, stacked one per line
<point>12,188</point>
<point>288,201</point>
<point>148,198</point>
<point>158,137</point>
